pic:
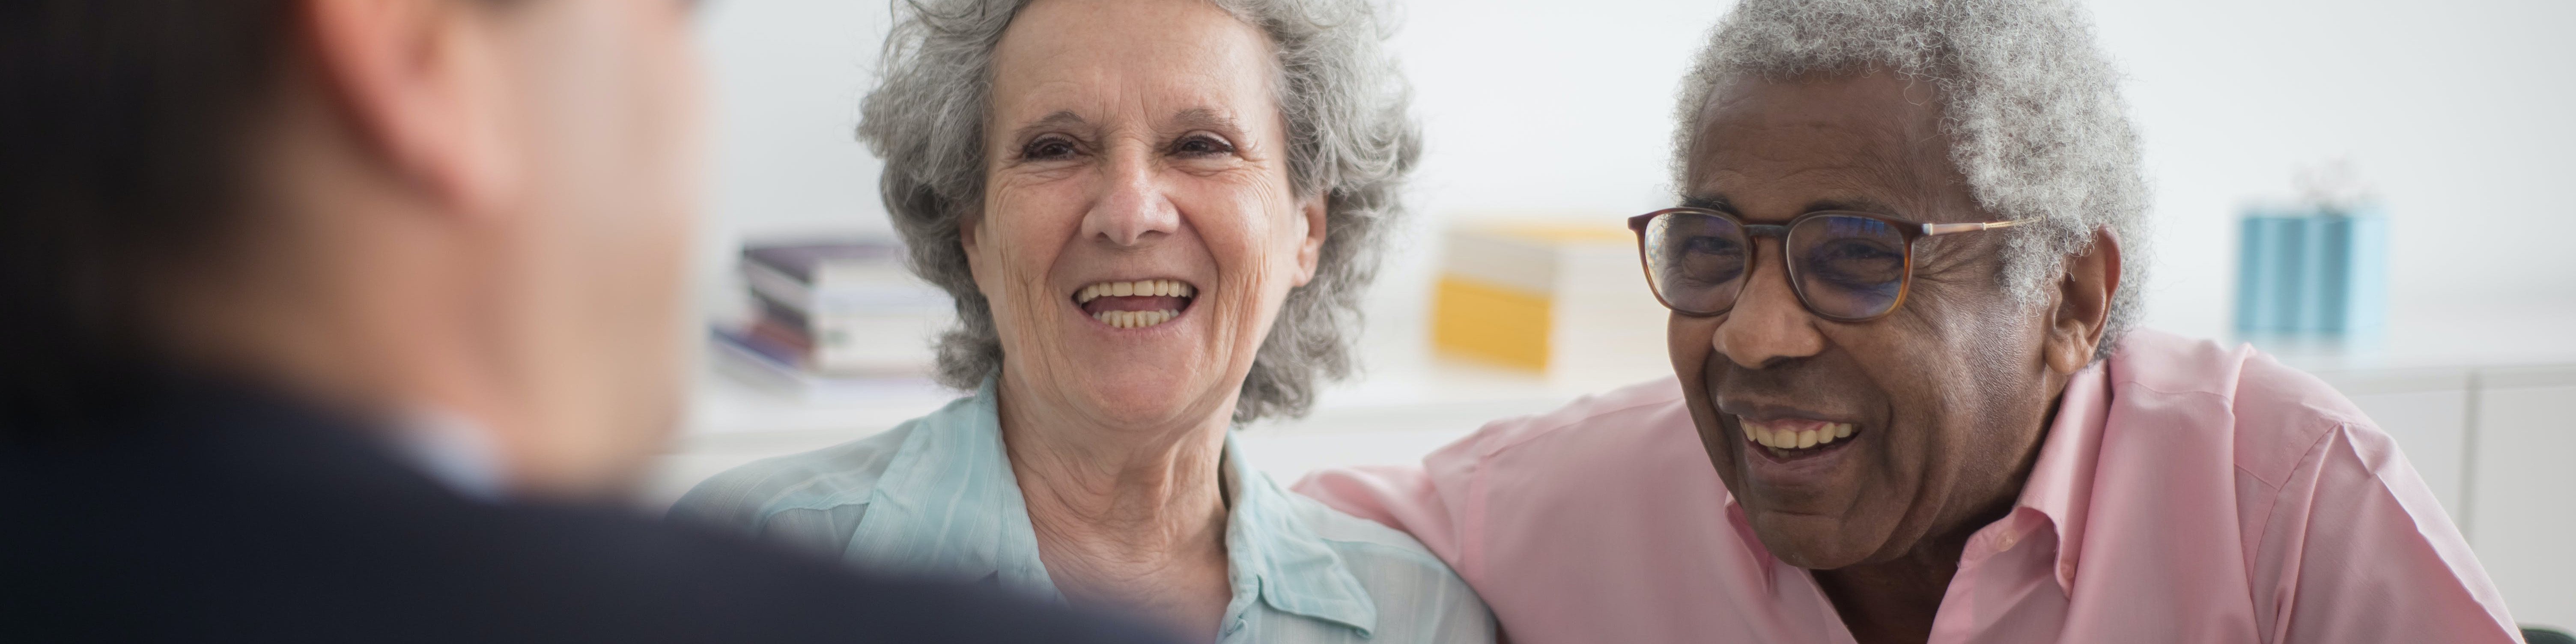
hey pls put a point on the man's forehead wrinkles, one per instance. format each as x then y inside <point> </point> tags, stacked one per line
<point>1802,191</point>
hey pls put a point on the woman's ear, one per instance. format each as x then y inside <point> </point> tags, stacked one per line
<point>967,227</point>
<point>1310,251</point>
<point>2083,304</point>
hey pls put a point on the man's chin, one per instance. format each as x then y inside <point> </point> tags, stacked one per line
<point>1805,544</point>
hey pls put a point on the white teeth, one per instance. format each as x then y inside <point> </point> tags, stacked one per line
<point>1135,319</point>
<point>1145,288</point>
<point>1172,288</point>
<point>1784,438</point>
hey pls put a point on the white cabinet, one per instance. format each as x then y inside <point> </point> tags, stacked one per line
<point>2497,445</point>
<point>2426,410</point>
<point>2522,489</point>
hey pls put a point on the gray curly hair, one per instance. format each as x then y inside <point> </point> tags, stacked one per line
<point>2032,109</point>
<point>1350,139</point>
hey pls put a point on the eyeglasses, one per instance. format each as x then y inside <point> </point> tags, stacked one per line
<point>1845,266</point>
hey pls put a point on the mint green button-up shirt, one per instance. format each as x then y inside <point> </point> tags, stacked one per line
<point>936,496</point>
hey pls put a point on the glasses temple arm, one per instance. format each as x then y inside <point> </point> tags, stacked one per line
<point>1945,229</point>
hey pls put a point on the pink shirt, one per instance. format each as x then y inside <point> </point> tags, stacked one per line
<point>2187,492</point>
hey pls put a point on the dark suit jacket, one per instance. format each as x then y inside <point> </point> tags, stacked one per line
<point>209,513</point>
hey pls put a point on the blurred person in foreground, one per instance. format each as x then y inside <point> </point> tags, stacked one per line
<point>1155,217</point>
<point>348,320</point>
<point>1909,404</point>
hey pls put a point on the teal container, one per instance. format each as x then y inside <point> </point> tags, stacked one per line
<point>2316,271</point>
<point>2267,272</point>
<point>2356,299</point>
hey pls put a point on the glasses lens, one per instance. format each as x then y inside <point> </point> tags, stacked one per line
<point>1696,261</point>
<point>1848,267</point>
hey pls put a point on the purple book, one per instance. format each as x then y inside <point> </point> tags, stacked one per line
<point>799,259</point>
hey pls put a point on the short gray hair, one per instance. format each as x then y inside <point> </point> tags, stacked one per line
<point>1350,138</point>
<point>2031,106</point>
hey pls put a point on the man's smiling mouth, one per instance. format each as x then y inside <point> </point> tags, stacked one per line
<point>1794,438</point>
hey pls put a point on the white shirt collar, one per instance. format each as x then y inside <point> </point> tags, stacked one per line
<point>452,449</point>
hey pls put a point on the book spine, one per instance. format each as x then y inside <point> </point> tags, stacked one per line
<point>784,313</point>
<point>768,282</point>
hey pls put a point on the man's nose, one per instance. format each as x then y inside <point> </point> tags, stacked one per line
<point>1767,324</point>
<point>1133,206</point>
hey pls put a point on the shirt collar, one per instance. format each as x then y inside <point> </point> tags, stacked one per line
<point>2060,487</point>
<point>948,504</point>
<point>1278,555</point>
<point>453,450</point>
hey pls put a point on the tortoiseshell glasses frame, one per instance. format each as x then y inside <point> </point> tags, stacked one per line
<point>1844,266</point>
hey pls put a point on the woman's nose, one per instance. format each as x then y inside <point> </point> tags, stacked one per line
<point>1767,324</point>
<point>1133,207</point>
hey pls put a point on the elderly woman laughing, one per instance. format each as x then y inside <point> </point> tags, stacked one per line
<point>1154,215</point>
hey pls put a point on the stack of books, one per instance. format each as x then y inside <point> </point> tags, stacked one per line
<point>1565,299</point>
<point>2313,270</point>
<point>832,310</point>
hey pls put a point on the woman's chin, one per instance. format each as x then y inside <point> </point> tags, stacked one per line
<point>1154,401</point>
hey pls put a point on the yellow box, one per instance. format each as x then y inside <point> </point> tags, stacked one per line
<point>1489,321</point>
<point>1562,298</point>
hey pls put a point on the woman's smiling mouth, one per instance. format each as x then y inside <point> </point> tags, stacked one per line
<point>1135,304</point>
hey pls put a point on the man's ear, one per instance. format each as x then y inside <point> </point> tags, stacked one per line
<point>419,84</point>
<point>2083,304</point>
<point>1310,251</point>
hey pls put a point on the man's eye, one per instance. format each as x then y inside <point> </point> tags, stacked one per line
<point>1201,145</point>
<point>1713,246</point>
<point>1047,149</point>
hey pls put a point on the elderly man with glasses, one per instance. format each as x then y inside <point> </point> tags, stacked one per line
<point>1909,405</point>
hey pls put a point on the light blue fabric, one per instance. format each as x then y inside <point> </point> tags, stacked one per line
<point>935,496</point>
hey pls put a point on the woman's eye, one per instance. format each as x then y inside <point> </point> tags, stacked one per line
<point>1201,145</point>
<point>1046,149</point>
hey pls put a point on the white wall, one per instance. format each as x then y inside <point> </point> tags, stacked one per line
<point>786,78</point>
<point>2453,110</point>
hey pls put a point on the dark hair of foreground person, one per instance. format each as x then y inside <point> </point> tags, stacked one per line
<point>158,494</point>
